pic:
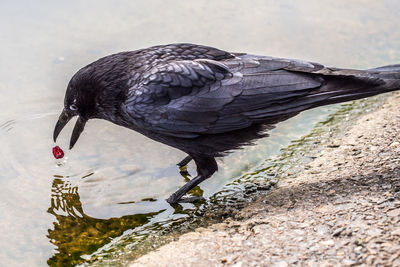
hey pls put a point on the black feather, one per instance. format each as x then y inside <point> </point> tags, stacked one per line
<point>207,102</point>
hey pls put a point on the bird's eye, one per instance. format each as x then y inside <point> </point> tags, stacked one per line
<point>73,107</point>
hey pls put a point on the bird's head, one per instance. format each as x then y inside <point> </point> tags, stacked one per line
<point>95,91</point>
<point>79,100</point>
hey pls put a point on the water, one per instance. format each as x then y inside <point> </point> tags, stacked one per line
<point>115,180</point>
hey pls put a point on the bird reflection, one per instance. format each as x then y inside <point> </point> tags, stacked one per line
<point>65,198</point>
<point>74,233</point>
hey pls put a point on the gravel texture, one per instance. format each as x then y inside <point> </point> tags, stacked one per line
<point>342,210</point>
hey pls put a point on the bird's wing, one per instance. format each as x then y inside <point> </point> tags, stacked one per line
<point>154,102</point>
<point>191,98</point>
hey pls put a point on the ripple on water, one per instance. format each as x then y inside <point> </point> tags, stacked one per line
<point>7,126</point>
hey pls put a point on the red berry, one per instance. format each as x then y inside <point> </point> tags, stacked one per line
<point>58,152</point>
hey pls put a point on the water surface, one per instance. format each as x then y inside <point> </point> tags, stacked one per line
<point>115,180</point>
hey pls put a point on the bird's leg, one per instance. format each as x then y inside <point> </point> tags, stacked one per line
<point>182,164</point>
<point>196,191</point>
<point>177,196</point>
<point>206,166</point>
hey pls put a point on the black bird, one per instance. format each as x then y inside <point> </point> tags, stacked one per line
<point>208,102</point>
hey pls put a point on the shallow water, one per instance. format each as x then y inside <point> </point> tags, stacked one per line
<point>114,180</point>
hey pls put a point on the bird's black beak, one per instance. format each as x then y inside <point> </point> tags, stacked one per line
<point>64,118</point>
<point>78,129</point>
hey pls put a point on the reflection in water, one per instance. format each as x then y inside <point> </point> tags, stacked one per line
<point>76,234</point>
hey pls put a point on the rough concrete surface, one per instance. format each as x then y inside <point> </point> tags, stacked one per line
<point>343,210</point>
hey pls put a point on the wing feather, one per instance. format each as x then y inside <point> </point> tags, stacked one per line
<point>206,97</point>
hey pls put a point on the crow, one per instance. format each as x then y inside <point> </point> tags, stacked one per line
<point>207,102</point>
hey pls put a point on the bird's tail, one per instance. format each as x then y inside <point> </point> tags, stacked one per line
<point>339,85</point>
<point>387,69</point>
<point>346,85</point>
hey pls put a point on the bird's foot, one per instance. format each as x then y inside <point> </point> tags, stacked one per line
<point>173,200</point>
<point>177,196</point>
<point>191,199</point>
